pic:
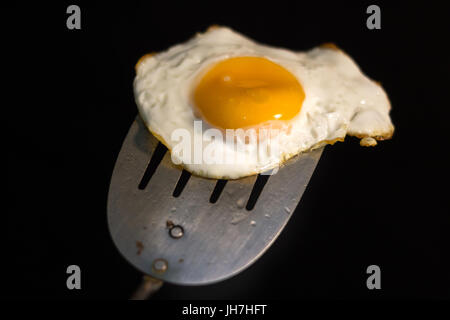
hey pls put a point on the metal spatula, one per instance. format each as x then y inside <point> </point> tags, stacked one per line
<point>189,230</point>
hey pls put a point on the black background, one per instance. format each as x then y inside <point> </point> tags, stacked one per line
<point>73,104</point>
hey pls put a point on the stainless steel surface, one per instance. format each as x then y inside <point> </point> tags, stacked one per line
<point>217,240</point>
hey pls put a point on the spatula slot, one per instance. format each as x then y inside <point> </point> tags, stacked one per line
<point>220,185</point>
<point>184,178</point>
<point>157,156</point>
<point>256,191</point>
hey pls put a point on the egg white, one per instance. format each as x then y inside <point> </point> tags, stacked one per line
<point>339,98</point>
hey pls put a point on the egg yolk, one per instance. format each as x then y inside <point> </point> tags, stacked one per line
<point>244,92</point>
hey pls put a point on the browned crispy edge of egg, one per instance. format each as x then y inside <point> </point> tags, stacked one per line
<point>142,59</point>
<point>366,140</point>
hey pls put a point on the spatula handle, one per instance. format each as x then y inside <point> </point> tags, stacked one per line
<point>147,288</point>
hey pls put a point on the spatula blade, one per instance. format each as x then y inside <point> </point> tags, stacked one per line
<point>218,239</point>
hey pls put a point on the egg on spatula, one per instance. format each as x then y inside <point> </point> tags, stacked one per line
<point>228,107</point>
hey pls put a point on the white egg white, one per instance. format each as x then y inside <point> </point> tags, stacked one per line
<point>339,98</point>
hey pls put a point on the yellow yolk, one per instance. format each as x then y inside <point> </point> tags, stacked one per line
<point>247,91</point>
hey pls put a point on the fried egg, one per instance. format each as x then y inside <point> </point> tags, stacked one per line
<point>223,83</point>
